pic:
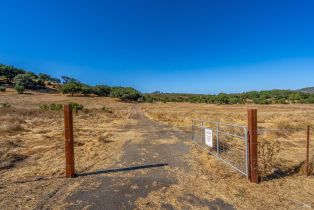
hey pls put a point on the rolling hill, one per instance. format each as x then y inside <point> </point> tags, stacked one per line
<point>306,90</point>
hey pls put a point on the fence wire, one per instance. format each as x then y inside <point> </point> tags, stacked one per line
<point>282,152</point>
<point>229,142</point>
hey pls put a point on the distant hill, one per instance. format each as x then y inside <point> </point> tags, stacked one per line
<point>306,90</point>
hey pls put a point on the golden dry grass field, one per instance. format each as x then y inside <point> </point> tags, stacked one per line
<point>32,144</point>
<point>281,138</point>
<point>285,125</point>
<point>32,153</point>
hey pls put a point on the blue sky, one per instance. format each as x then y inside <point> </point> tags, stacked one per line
<point>207,46</point>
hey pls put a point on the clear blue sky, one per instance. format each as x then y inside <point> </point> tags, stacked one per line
<point>207,46</point>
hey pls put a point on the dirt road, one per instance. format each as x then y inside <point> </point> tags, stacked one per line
<point>153,156</point>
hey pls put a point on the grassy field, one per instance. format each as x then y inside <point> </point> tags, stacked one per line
<point>282,130</point>
<point>32,143</point>
<point>32,151</point>
<point>282,126</point>
<point>288,116</point>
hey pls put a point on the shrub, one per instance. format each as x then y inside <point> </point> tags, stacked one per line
<point>281,101</point>
<point>76,107</point>
<point>19,88</point>
<point>44,107</point>
<point>309,100</point>
<point>148,99</point>
<point>2,88</point>
<point>5,105</point>
<point>52,107</point>
<point>262,101</point>
<point>107,110</point>
<point>268,155</point>
<point>236,100</point>
<point>56,107</point>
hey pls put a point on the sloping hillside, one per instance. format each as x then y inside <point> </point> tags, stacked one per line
<point>307,90</point>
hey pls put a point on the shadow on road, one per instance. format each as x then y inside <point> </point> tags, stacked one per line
<point>123,169</point>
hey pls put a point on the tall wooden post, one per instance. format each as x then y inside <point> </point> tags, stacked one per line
<point>252,127</point>
<point>307,165</point>
<point>69,144</point>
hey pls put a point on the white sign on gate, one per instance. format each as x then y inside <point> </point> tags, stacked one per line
<point>208,137</point>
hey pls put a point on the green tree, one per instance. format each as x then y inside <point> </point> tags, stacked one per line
<point>9,72</point>
<point>48,78</point>
<point>235,100</point>
<point>102,90</point>
<point>252,95</point>
<point>32,74</point>
<point>43,77</point>
<point>311,99</point>
<point>281,101</point>
<point>67,79</point>
<point>86,89</point>
<point>295,97</point>
<point>222,98</point>
<point>148,98</point>
<point>27,81</point>
<point>125,93</point>
<point>72,88</point>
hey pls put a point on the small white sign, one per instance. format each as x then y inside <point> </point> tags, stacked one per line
<point>208,137</point>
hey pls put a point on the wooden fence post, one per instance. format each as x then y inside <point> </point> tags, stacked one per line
<point>252,128</point>
<point>307,165</point>
<point>69,144</point>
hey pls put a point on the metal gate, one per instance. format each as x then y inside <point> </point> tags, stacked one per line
<point>227,142</point>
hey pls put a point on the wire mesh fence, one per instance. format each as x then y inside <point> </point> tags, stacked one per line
<point>282,152</point>
<point>227,142</point>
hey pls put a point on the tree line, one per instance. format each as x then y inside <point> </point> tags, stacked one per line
<point>256,97</point>
<point>73,86</point>
<point>23,80</point>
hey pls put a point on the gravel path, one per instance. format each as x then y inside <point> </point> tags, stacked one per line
<point>143,168</point>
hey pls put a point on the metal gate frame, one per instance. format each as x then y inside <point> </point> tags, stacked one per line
<point>217,126</point>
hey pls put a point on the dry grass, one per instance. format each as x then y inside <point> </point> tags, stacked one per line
<point>268,156</point>
<point>32,152</point>
<point>280,116</point>
<point>284,125</point>
<point>211,180</point>
<point>32,144</point>
<point>282,137</point>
